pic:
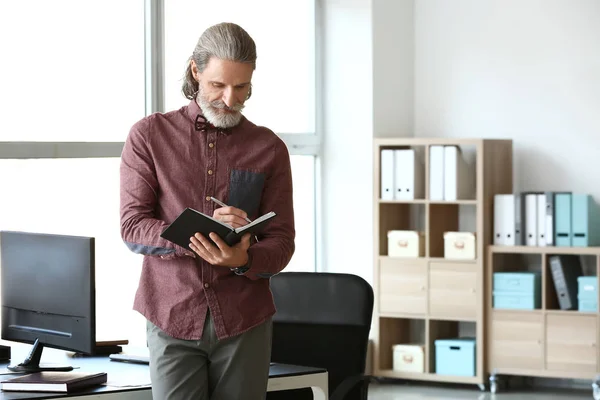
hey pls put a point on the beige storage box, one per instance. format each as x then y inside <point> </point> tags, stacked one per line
<point>459,245</point>
<point>406,244</point>
<point>409,357</point>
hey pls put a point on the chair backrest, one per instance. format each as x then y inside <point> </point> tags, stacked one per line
<point>323,320</point>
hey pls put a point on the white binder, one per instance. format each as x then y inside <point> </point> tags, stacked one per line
<point>541,219</point>
<point>531,225</point>
<point>504,220</point>
<point>387,174</point>
<point>408,175</point>
<point>458,175</point>
<point>498,220</point>
<point>436,173</point>
<point>508,220</point>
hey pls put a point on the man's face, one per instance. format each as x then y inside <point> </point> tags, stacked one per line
<point>222,90</point>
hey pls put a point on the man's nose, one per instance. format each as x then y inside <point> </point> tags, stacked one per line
<point>229,97</point>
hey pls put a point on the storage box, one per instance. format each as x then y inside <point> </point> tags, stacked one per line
<point>517,290</point>
<point>409,357</point>
<point>455,356</point>
<point>587,293</point>
<point>406,244</point>
<point>459,245</point>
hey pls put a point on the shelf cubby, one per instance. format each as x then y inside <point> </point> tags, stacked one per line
<point>398,331</point>
<point>403,192</point>
<point>399,216</point>
<point>470,154</point>
<point>589,268</point>
<point>448,217</point>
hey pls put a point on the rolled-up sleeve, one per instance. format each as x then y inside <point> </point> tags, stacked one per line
<point>276,247</point>
<point>140,229</point>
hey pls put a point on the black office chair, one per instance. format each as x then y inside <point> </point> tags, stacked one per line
<point>323,320</point>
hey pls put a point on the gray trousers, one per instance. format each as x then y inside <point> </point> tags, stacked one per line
<point>230,369</point>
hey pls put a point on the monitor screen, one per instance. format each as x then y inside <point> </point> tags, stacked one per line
<point>48,293</point>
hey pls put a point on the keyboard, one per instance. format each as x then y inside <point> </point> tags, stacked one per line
<point>133,358</point>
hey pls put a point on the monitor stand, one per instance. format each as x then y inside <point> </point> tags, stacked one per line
<point>32,362</point>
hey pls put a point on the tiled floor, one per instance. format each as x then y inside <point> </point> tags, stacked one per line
<point>410,391</point>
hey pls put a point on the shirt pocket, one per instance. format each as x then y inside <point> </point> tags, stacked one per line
<point>245,190</point>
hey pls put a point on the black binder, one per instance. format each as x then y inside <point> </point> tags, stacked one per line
<point>565,271</point>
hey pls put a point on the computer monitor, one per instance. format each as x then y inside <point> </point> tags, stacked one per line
<point>48,294</point>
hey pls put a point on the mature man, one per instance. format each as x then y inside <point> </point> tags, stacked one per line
<point>208,307</point>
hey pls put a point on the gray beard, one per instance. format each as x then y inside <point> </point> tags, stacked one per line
<point>215,117</point>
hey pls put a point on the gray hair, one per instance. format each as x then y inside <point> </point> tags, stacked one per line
<point>225,41</point>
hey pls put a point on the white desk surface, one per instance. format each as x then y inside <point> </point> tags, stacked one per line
<point>132,381</point>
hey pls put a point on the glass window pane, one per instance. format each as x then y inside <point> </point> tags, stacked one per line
<point>283,95</point>
<point>80,197</point>
<point>71,70</point>
<point>303,174</point>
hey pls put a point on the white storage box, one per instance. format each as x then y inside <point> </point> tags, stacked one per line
<point>406,244</point>
<point>409,357</point>
<point>459,245</point>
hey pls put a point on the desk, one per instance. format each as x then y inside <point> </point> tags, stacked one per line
<point>128,381</point>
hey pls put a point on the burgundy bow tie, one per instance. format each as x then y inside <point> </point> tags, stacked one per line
<point>202,124</point>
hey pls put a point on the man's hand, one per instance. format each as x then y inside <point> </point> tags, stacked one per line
<point>221,255</point>
<point>231,216</point>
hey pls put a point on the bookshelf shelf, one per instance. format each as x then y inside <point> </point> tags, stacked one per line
<point>427,376</point>
<point>424,201</point>
<point>551,342</point>
<point>415,201</point>
<point>544,250</point>
<point>420,300</point>
<point>455,202</point>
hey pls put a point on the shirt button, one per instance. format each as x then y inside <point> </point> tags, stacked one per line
<point>207,198</point>
<point>206,285</point>
<point>210,171</point>
<point>211,145</point>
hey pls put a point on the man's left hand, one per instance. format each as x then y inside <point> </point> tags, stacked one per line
<point>221,255</point>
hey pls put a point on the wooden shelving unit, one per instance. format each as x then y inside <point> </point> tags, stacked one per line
<point>428,298</point>
<point>546,342</point>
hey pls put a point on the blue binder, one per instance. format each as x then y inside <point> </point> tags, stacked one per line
<point>585,221</point>
<point>562,215</point>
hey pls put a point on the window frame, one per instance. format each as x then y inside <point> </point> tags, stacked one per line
<point>309,143</point>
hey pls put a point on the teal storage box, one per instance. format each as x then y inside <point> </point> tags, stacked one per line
<point>587,293</point>
<point>517,290</point>
<point>455,356</point>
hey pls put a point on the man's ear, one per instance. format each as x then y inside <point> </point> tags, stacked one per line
<point>195,72</point>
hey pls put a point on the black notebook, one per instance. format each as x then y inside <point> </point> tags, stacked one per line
<point>191,221</point>
<point>54,381</point>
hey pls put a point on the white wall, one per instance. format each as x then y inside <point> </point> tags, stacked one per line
<point>393,67</point>
<point>528,70</point>
<point>522,69</point>
<point>347,175</point>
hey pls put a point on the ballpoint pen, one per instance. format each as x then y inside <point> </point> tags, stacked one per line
<point>219,202</point>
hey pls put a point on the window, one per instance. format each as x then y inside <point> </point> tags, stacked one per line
<point>70,78</point>
<point>65,77</point>
<point>283,94</point>
<point>303,175</point>
<point>80,197</point>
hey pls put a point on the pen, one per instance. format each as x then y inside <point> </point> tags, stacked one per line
<point>219,202</point>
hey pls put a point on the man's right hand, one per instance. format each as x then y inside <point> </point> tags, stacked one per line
<point>233,216</point>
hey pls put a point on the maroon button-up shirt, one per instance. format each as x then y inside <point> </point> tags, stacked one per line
<point>171,161</point>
